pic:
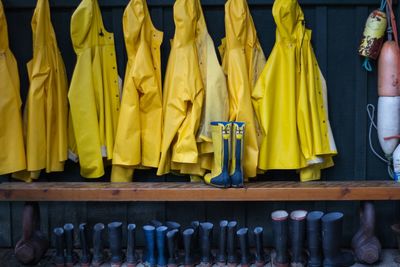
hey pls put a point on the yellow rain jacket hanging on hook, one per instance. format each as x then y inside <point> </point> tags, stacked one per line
<point>46,110</point>
<point>243,60</point>
<point>138,140</point>
<point>94,92</point>
<point>290,100</point>
<point>183,92</point>
<point>12,156</point>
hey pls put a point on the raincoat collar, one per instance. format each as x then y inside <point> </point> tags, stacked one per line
<point>3,30</point>
<point>41,23</point>
<point>140,27</point>
<point>289,19</point>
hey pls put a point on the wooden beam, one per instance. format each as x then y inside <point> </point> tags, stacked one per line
<point>255,191</point>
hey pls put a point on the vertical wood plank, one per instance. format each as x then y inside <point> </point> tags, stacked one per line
<point>5,225</point>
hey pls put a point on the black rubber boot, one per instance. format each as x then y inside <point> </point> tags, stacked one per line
<point>231,244</point>
<point>221,255</point>
<point>98,245</point>
<point>314,239</point>
<point>332,226</point>
<point>261,258</point>
<point>115,242</point>
<point>59,256</point>
<point>245,257</point>
<point>84,241</point>
<point>195,239</point>
<point>280,232</point>
<point>297,237</point>
<point>172,236</point>
<point>188,235</point>
<point>178,242</point>
<point>206,229</point>
<point>70,258</point>
<point>131,258</point>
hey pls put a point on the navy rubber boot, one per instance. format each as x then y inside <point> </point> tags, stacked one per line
<point>70,257</point>
<point>84,241</point>
<point>238,131</point>
<point>261,258</point>
<point>231,244</point>
<point>221,255</point>
<point>115,241</point>
<point>206,229</point>
<point>297,237</point>
<point>150,237</point>
<point>188,260</point>
<point>161,246</point>
<point>131,258</point>
<point>59,238</point>
<point>98,245</point>
<point>172,236</point>
<point>245,257</point>
<point>314,238</point>
<point>280,232</point>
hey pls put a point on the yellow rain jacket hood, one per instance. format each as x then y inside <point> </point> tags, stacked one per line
<point>138,140</point>
<point>94,95</point>
<point>12,156</point>
<point>290,100</point>
<point>243,60</point>
<point>46,110</point>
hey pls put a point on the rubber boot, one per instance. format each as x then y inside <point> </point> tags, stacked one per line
<point>206,229</point>
<point>332,226</point>
<point>261,258</point>
<point>297,237</point>
<point>196,245</point>
<point>365,244</point>
<point>70,258</point>
<point>115,242</point>
<point>84,241</point>
<point>131,258</point>
<point>314,238</point>
<point>161,245</point>
<point>172,247</point>
<point>150,239</point>
<point>188,235</point>
<point>178,242</point>
<point>221,255</point>
<point>243,236</point>
<point>280,232</point>
<point>236,173</point>
<point>221,137</point>
<point>98,245</point>
<point>59,237</point>
<point>231,244</point>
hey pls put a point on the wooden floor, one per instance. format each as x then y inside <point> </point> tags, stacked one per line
<point>7,259</point>
<point>183,191</point>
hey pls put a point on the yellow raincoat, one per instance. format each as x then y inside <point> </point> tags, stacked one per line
<point>138,140</point>
<point>94,92</point>
<point>243,60</point>
<point>46,110</point>
<point>290,100</point>
<point>12,156</point>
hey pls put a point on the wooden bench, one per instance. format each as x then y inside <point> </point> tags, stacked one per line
<point>182,191</point>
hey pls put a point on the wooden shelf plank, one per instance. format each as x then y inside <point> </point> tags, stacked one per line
<point>256,191</point>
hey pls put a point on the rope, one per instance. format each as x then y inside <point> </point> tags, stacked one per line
<point>367,65</point>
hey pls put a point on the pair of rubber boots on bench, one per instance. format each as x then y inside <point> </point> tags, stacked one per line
<point>99,257</point>
<point>324,235</point>
<point>228,141</point>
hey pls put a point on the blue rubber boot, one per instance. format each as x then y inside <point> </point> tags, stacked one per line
<point>206,230</point>
<point>150,237</point>
<point>161,246</point>
<point>115,241</point>
<point>236,173</point>
<point>131,258</point>
<point>221,137</point>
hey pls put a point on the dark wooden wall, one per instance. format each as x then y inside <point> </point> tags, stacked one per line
<point>337,26</point>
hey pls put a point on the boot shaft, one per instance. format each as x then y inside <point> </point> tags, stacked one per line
<point>297,235</point>
<point>69,240</point>
<point>314,238</point>
<point>59,241</point>
<point>236,170</point>
<point>115,241</point>
<point>205,237</point>
<point>161,241</point>
<point>243,237</point>
<point>280,232</point>
<point>260,257</point>
<point>231,242</point>
<point>172,236</point>
<point>98,244</point>
<point>131,245</point>
<point>84,242</point>
<point>188,235</point>
<point>221,256</point>
<point>150,238</point>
